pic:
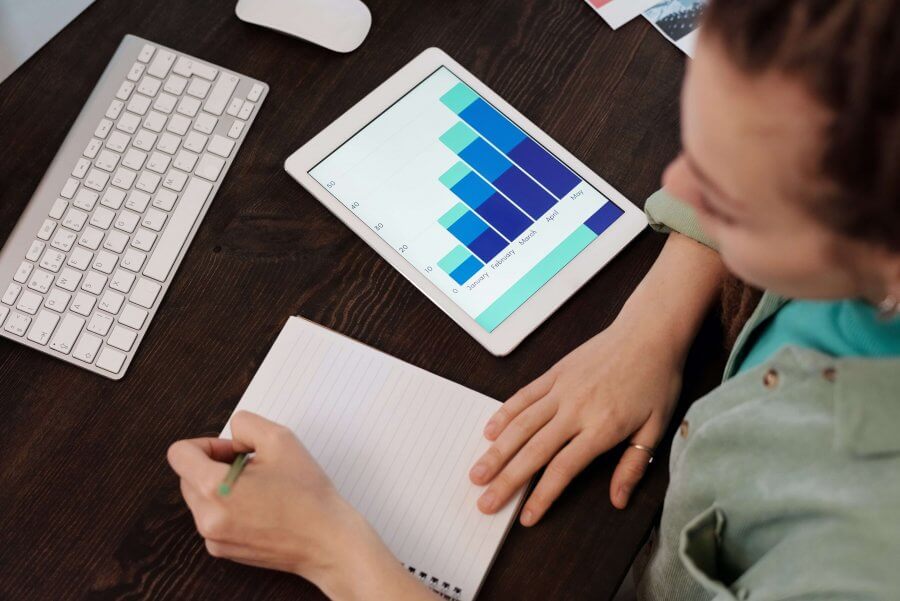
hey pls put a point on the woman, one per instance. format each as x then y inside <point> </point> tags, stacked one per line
<point>785,481</point>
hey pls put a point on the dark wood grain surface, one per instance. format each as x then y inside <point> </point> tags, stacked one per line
<point>88,506</point>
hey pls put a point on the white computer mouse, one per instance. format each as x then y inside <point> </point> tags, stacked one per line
<point>339,25</point>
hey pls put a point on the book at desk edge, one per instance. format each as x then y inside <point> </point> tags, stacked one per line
<point>397,441</point>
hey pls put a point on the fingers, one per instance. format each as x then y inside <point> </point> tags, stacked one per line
<point>252,432</point>
<point>516,434</point>
<point>516,404</point>
<point>191,461</point>
<point>633,464</point>
<point>536,453</point>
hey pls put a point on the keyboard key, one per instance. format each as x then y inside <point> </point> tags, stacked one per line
<point>68,190</point>
<point>17,324</point>
<point>255,92</point>
<point>158,162</point>
<point>66,333</point>
<point>129,123</point>
<point>74,219</point>
<point>96,180</point>
<point>85,200</point>
<point>134,159</point>
<point>234,107</point>
<point>154,122</point>
<point>115,109</point>
<point>180,225</point>
<point>29,302</point>
<point>57,300</point>
<point>124,92</point>
<point>165,199</point>
<point>204,71</point>
<point>90,151</point>
<point>175,180</point>
<point>145,139</point>
<point>43,327</point>
<point>133,260</point>
<point>81,167</point>
<point>107,161</point>
<point>23,272</point>
<point>52,260</point>
<point>149,86</point>
<point>111,360</point>
<point>185,160</point>
<point>194,141</point>
<point>111,302</point>
<point>137,201</point>
<point>68,279</point>
<point>133,317</point>
<point>103,128</point>
<point>221,94</point>
<point>246,111</point>
<point>46,229</point>
<point>134,74</point>
<point>168,143</point>
<point>102,218</point>
<point>90,238</point>
<point>188,106</point>
<point>83,304</point>
<point>183,66</point>
<point>165,103</point>
<point>145,293</point>
<point>11,294</point>
<point>123,178</point>
<point>143,240</point>
<point>139,104</point>
<point>175,85</point>
<point>145,53</point>
<point>199,88</point>
<point>235,130</point>
<point>153,220</point>
<point>178,124</point>
<point>161,64</point>
<point>86,348</point>
<point>81,258</point>
<point>112,198</point>
<point>63,240</point>
<point>148,182</point>
<point>118,141</point>
<point>100,323</point>
<point>104,262</point>
<point>35,250</point>
<point>40,281</point>
<point>116,241</point>
<point>220,146</point>
<point>121,338</point>
<point>58,208</point>
<point>122,281</point>
<point>210,167</point>
<point>94,283</point>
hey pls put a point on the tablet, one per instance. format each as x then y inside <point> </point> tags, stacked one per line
<point>489,217</point>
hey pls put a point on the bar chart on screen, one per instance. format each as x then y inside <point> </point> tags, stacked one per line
<point>475,204</point>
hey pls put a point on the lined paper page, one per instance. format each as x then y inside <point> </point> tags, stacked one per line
<point>397,442</point>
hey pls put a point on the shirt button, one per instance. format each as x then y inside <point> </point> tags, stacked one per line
<point>830,374</point>
<point>683,429</point>
<point>770,380</point>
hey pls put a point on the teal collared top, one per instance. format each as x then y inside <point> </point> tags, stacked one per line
<point>785,480</point>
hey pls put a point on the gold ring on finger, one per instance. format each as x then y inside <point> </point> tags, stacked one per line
<point>641,447</point>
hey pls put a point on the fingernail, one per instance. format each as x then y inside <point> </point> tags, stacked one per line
<point>490,429</point>
<point>487,501</point>
<point>527,517</point>
<point>479,471</point>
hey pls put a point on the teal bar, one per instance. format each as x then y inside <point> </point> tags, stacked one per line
<point>454,259</point>
<point>532,281</point>
<point>458,137</point>
<point>458,98</point>
<point>456,173</point>
<point>450,217</point>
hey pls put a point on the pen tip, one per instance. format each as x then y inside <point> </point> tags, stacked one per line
<point>224,489</point>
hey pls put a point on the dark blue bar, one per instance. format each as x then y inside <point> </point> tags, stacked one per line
<point>487,245</point>
<point>485,159</point>
<point>506,218</point>
<point>467,228</point>
<point>522,190</point>
<point>467,269</point>
<point>472,190</point>
<point>544,167</point>
<point>492,125</point>
<point>603,218</point>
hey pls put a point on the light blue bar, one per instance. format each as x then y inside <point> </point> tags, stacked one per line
<point>459,97</point>
<point>532,281</point>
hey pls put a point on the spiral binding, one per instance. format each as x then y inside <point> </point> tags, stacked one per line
<point>442,588</point>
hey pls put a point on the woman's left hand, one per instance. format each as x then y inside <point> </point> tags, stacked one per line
<point>282,513</point>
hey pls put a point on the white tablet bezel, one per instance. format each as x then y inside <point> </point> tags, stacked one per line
<point>551,295</point>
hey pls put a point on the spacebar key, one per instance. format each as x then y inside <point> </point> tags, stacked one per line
<point>180,225</point>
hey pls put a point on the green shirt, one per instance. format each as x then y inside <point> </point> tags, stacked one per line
<point>785,480</point>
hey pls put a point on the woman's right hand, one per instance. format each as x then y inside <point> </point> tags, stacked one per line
<point>617,386</point>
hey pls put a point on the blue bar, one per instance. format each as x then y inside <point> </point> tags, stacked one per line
<point>485,159</point>
<point>604,217</point>
<point>496,128</point>
<point>506,219</point>
<point>544,167</point>
<point>467,228</point>
<point>472,190</point>
<point>487,245</point>
<point>522,190</point>
<point>468,268</point>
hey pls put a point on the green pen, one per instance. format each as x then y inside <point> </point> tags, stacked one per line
<point>231,477</point>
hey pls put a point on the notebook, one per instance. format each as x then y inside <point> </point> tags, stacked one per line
<point>397,442</point>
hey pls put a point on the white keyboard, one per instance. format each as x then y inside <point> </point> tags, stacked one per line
<point>89,261</point>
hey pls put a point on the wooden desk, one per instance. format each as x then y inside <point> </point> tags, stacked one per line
<point>88,505</point>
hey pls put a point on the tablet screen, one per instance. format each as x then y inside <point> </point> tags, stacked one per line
<point>473,202</point>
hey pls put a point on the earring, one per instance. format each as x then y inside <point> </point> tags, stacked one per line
<point>888,308</point>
